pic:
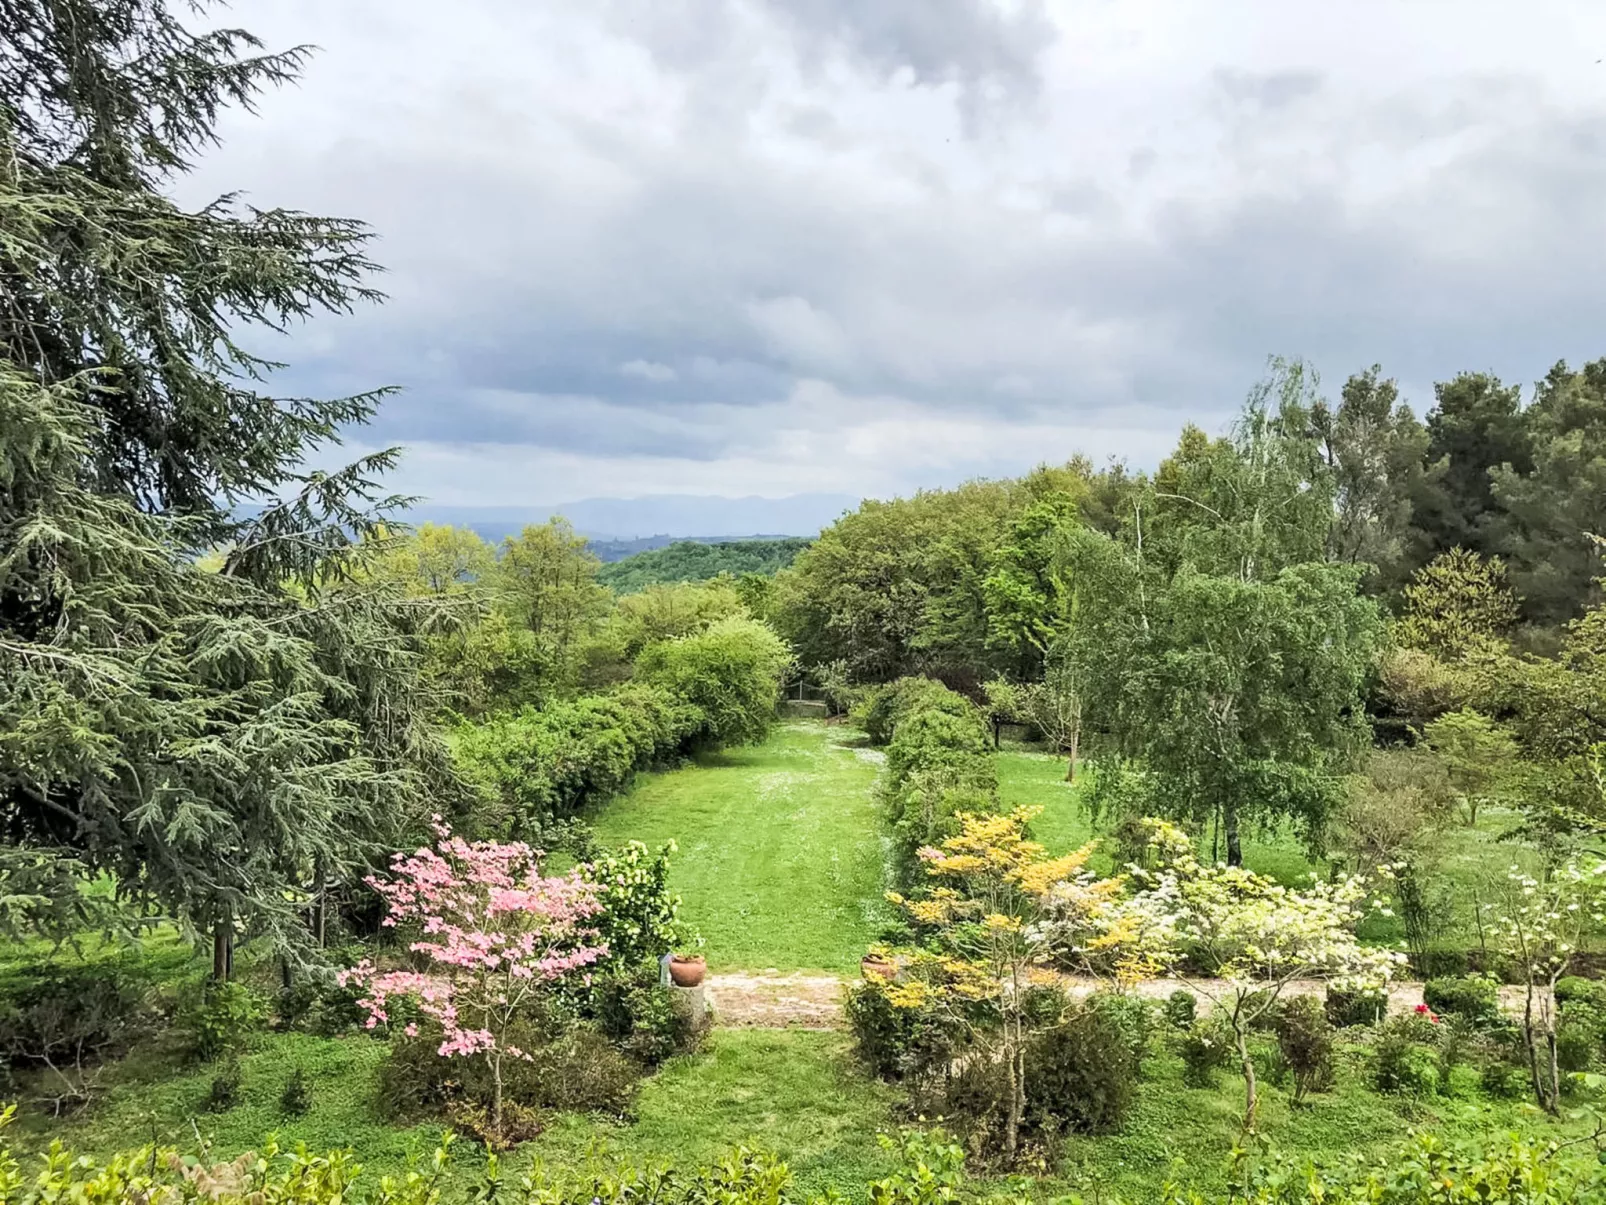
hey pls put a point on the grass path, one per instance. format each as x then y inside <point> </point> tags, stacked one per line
<point>780,862</point>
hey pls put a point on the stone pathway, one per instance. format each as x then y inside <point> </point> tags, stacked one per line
<point>772,1000</point>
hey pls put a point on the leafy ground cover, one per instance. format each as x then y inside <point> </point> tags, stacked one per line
<point>780,861</point>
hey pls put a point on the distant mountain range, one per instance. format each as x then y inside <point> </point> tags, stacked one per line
<point>618,527</point>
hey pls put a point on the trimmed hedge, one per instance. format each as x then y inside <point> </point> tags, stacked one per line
<point>700,691</point>
<point>939,763</point>
<point>530,765</point>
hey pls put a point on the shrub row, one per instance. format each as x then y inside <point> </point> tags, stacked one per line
<point>939,762</point>
<point>532,765</point>
<point>711,688</point>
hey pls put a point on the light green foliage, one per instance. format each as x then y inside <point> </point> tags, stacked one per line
<point>663,612</point>
<point>1458,605</point>
<point>1253,935</point>
<point>1026,592</point>
<point>438,559</point>
<point>1481,756</point>
<point>692,561</point>
<point>1256,502</point>
<point>897,587</point>
<point>545,579</point>
<point>731,672</point>
<point>939,763</point>
<point>1541,925</point>
<point>1244,697</point>
<point>640,918</point>
<point>909,1168</point>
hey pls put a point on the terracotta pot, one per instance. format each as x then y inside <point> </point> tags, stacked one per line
<point>687,971</point>
<point>872,964</point>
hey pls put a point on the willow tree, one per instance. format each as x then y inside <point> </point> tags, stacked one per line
<point>221,741</point>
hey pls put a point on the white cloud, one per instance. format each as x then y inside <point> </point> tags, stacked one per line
<point>647,370</point>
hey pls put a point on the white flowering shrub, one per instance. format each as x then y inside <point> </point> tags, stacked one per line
<point>1539,925</point>
<point>1247,937</point>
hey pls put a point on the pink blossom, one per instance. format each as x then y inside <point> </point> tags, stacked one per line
<point>492,930</point>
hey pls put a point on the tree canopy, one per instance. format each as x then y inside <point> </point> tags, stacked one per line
<point>219,739</point>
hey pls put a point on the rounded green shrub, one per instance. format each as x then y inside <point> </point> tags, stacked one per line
<point>1305,1039</point>
<point>1347,1009</point>
<point>1082,1075</point>
<point>1181,1008</point>
<point>1474,997</point>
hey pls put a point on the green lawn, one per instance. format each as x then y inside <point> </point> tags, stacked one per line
<point>780,861</point>
<point>795,1093</point>
<point>780,866</point>
<point>1027,777</point>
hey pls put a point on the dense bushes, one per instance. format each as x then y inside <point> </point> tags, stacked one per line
<point>1346,1009</point>
<point>708,688</point>
<point>1305,1041</point>
<point>570,1066</point>
<point>881,708</point>
<point>1081,1065</point>
<point>640,1015</point>
<point>1082,1074</point>
<point>531,765</point>
<point>731,672</point>
<point>898,1043</point>
<point>68,1018</point>
<point>218,1017</point>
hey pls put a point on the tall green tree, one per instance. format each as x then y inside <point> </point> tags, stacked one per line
<point>1549,512</point>
<point>221,742</point>
<point>546,582</point>
<point>1475,427</point>
<point>1374,449</point>
<point>1026,594</point>
<point>1255,501</point>
<point>1243,698</point>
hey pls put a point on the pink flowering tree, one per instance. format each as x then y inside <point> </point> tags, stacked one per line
<point>491,933</point>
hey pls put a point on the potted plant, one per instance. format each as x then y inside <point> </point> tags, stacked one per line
<point>687,970</point>
<point>878,965</point>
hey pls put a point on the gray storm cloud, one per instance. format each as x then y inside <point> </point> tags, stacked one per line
<point>719,246</point>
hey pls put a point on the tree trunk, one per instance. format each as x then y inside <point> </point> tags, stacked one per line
<point>1530,1032</point>
<point>1075,743</point>
<point>1015,1056</point>
<point>223,950</point>
<point>496,1098</point>
<point>1235,852</point>
<point>1247,1065</point>
<point>320,890</point>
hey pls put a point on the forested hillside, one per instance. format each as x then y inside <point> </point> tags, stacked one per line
<point>690,561</point>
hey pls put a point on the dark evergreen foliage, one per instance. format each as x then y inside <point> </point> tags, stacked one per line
<point>222,742</point>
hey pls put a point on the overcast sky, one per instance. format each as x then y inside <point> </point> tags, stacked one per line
<point>774,246</point>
